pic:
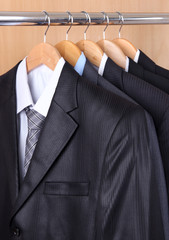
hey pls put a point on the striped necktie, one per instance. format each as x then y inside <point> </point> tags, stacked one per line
<point>35,124</point>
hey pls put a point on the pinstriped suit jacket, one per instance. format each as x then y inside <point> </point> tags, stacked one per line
<point>148,64</point>
<point>155,101</point>
<point>152,78</point>
<point>93,174</point>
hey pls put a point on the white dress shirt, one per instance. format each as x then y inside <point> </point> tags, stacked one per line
<point>104,60</point>
<point>35,89</point>
<point>82,61</point>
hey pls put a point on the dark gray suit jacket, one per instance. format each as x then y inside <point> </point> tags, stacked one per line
<point>93,174</point>
<point>155,101</point>
<point>152,78</point>
<point>148,64</point>
<point>116,74</point>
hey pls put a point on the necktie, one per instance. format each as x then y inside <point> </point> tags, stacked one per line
<point>35,124</point>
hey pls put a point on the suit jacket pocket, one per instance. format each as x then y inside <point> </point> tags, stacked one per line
<point>67,188</point>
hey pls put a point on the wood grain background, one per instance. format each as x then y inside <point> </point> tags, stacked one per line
<point>16,42</point>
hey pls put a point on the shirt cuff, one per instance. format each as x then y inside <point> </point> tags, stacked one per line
<point>136,58</point>
<point>102,64</point>
<point>127,64</point>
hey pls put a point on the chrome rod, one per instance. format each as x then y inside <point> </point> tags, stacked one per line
<point>62,18</point>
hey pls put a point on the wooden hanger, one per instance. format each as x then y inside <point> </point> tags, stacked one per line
<point>111,49</point>
<point>67,49</point>
<point>91,50</point>
<point>113,52</point>
<point>127,47</point>
<point>43,53</point>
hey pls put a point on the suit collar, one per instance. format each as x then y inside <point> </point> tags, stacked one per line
<point>65,94</point>
<point>32,91</point>
<point>144,60</point>
<point>113,73</point>
<point>136,69</point>
<point>90,73</point>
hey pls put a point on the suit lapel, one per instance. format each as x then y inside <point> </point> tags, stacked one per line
<point>9,174</point>
<point>58,129</point>
<point>90,73</point>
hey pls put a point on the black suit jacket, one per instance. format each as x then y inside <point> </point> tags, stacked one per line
<point>152,78</point>
<point>148,64</point>
<point>93,174</point>
<point>155,101</point>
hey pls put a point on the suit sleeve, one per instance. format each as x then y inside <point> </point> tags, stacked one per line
<point>133,201</point>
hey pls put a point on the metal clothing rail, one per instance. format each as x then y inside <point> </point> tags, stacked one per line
<point>79,18</point>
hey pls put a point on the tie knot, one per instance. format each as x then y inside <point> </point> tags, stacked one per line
<point>35,119</point>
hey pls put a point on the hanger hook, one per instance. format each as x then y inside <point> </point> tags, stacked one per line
<point>89,22</point>
<point>46,16</point>
<point>104,31</point>
<point>121,19</point>
<point>70,19</point>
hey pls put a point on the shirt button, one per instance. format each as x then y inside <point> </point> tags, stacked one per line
<point>16,232</point>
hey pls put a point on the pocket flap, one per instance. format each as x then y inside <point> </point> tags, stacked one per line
<point>67,188</point>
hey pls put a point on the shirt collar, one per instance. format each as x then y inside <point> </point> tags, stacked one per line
<point>79,67</point>
<point>136,58</point>
<point>23,94</point>
<point>105,57</point>
<point>102,64</point>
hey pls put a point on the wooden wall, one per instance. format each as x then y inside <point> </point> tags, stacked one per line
<point>16,42</point>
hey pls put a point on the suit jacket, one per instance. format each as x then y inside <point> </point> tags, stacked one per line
<point>152,78</point>
<point>93,174</point>
<point>92,75</point>
<point>155,101</point>
<point>148,64</point>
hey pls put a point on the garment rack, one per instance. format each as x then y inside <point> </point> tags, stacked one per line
<point>79,18</point>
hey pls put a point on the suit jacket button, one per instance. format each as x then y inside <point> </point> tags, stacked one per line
<point>16,232</point>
